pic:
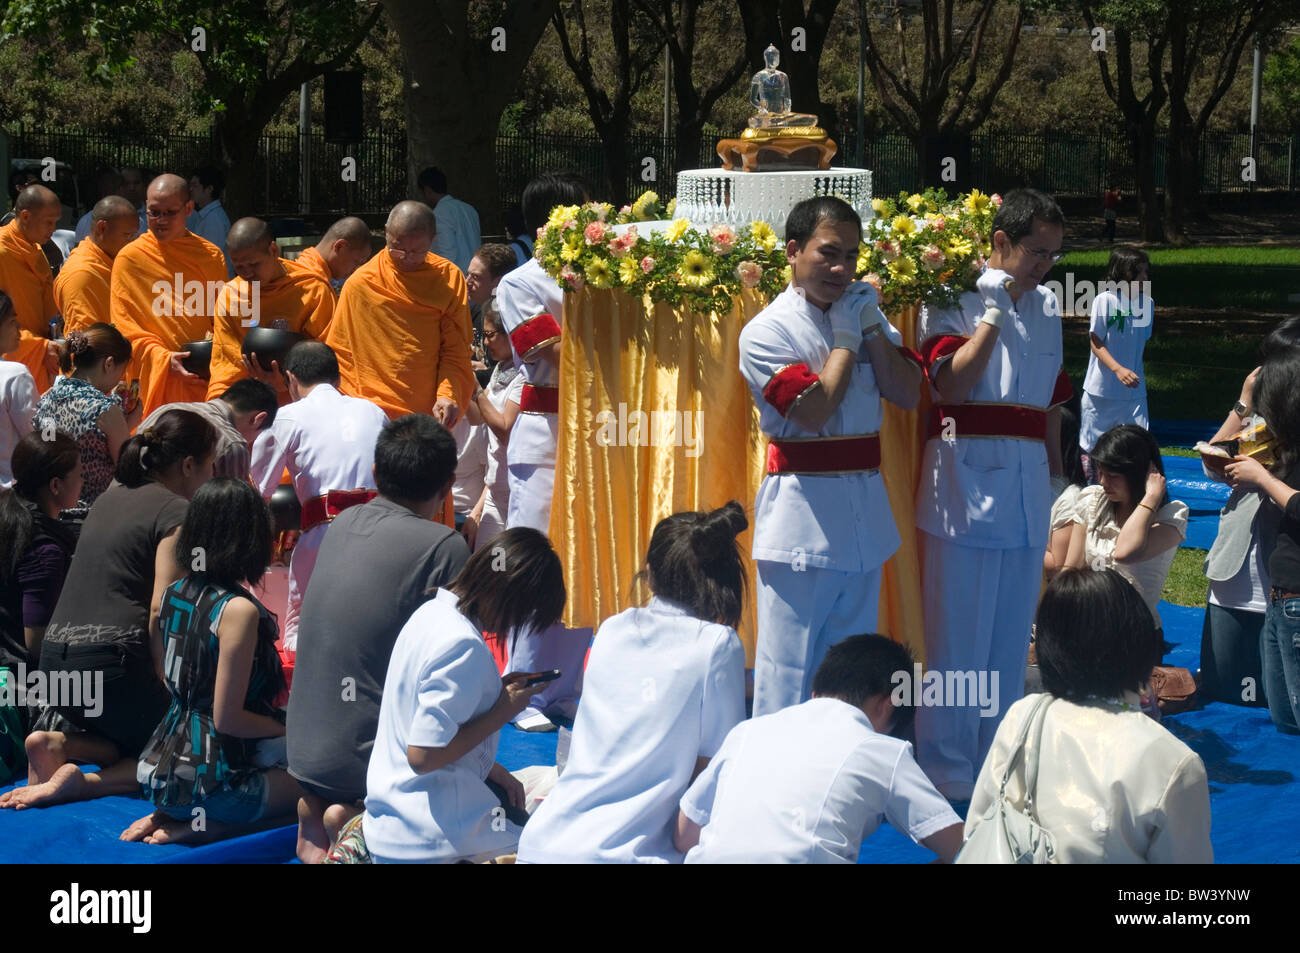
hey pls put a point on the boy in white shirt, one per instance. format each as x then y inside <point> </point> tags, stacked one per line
<point>809,783</point>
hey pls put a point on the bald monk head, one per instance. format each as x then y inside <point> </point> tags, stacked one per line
<point>168,205</point>
<point>409,224</point>
<point>38,213</point>
<point>253,251</point>
<point>345,247</point>
<point>113,223</point>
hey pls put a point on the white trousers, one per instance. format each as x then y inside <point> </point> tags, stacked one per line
<point>491,523</point>
<point>531,486</point>
<point>302,562</point>
<point>979,608</point>
<point>801,614</point>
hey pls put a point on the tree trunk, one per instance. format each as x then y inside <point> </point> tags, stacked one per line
<point>1180,173</point>
<point>238,141</point>
<point>614,146</point>
<point>1142,145</point>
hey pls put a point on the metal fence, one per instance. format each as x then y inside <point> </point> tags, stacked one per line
<point>1061,163</point>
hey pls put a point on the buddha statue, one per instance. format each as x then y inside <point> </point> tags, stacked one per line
<point>769,92</point>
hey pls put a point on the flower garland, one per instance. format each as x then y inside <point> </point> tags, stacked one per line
<point>921,248</point>
<point>681,265</point>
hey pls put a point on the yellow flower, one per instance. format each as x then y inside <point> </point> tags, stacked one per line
<point>787,274</point>
<point>561,214</point>
<point>763,235</point>
<point>629,270</point>
<point>572,249</point>
<point>959,247</point>
<point>902,225</point>
<point>977,202</point>
<point>676,230</point>
<point>645,199</point>
<point>915,202</point>
<point>599,272</point>
<point>902,270</point>
<point>878,206</point>
<point>696,270</point>
<point>864,259</point>
<point>671,208</point>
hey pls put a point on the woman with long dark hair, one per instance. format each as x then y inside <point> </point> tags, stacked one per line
<point>104,631</point>
<point>17,389</point>
<point>1277,400</point>
<point>664,685</point>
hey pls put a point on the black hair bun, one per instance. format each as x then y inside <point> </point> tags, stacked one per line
<point>716,532</point>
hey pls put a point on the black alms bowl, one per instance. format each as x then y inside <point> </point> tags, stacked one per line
<point>286,511</point>
<point>200,358</point>
<point>270,344</point>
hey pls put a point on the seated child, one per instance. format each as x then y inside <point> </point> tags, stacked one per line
<point>809,783</point>
<point>663,686</point>
<point>201,766</point>
<point>444,703</point>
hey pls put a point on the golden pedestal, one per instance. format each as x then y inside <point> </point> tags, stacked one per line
<point>778,150</point>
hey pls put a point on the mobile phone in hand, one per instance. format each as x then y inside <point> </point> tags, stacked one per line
<point>543,678</point>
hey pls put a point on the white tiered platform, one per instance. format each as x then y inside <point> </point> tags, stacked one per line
<point>717,196</point>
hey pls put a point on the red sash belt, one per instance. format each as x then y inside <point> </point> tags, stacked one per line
<point>322,509</point>
<point>856,454</point>
<point>990,420</point>
<point>539,400</point>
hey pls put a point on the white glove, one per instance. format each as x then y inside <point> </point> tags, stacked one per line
<point>997,299</point>
<point>846,330</point>
<point>862,298</point>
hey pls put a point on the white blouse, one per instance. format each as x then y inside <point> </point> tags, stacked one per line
<point>1114,786</point>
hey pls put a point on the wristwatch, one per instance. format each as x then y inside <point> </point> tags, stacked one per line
<point>1240,410</point>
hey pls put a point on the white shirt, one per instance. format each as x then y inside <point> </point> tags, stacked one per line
<point>806,785</point>
<point>521,294</point>
<point>1101,533</point>
<point>837,521</point>
<point>458,236</point>
<point>1114,786</point>
<point>17,410</point>
<point>212,222</point>
<point>327,440</point>
<point>441,675</point>
<point>471,463</point>
<point>662,689</point>
<point>994,492</point>
<point>1064,507</point>
<point>505,386</point>
<point>1124,328</point>
<point>84,223</point>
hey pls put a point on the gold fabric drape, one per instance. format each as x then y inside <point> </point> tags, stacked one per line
<point>625,458</point>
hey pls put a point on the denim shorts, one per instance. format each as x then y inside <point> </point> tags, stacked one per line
<point>241,803</point>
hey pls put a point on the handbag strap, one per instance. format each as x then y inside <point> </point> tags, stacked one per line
<point>1043,701</point>
<point>1031,765</point>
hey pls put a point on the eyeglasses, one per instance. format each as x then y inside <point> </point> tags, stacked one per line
<point>1041,255</point>
<point>160,213</point>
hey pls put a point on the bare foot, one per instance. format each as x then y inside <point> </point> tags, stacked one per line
<point>172,831</point>
<point>46,753</point>
<point>313,841</point>
<point>142,828</point>
<point>336,815</point>
<point>67,784</point>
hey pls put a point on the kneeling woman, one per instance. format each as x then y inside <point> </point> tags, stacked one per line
<point>427,800</point>
<point>223,673</point>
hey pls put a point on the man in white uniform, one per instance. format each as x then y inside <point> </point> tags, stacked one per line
<point>458,233</point>
<point>818,360</point>
<point>327,441</point>
<point>809,783</point>
<point>531,307</point>
<point>985,498</point>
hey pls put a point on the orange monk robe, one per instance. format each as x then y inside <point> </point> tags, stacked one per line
<point>403,338</point>
<point>299,301</point>
<point>26,277</point>
<point>311,259</point>
<point>163,295</point>
<point>82,287</point>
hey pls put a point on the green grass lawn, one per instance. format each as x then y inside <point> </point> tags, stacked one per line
<point>1218,276</point>
<point>1186,584</point>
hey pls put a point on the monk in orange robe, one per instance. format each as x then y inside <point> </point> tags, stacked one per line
<point>164,292</point>
<point>81,290</point>
<point>402,329</point>
<point>267,291</point>
<point>344,248</point>
<point>26,277</point>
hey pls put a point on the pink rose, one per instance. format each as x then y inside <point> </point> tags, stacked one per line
<point>932,258</point>
<point>647,265</point>
<point>595,233</point>
<point>888,250</point>
<point>749,273</point>
<point>938,223</point>
<point>572,279</point>
<point>625,210</point>
<point>996,199</point>
<point>724,239</point>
